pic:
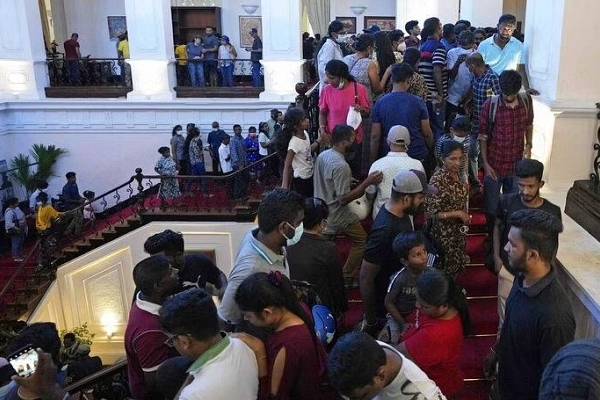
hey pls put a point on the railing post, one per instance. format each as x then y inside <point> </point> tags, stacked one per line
<point>139,177</point>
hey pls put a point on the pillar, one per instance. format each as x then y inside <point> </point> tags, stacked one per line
<point>569,83</point>
<point>23,71</point>
<point>481,13</point>
<point>420,10</point>
<point>282,49</point>
<point>150,33</point>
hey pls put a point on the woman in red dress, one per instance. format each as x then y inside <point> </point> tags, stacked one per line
<point>296,358</point>
<point>435,342</point>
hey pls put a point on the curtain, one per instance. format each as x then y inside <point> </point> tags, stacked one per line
<point>45,23</point>
<point>318,14</point>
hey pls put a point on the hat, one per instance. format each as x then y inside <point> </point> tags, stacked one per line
<point>461,123</point>
<point>372,29</point>
<point>410,182</point>
<point>398,134</point>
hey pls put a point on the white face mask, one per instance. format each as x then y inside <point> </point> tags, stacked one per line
<point>402,47</point>
<point>298,231</point>
<point>460,139</point>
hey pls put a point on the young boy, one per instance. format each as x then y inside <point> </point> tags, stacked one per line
<point>459,132</point>
<point>400,301</point>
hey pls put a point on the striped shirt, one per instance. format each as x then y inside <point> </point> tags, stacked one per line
<point>433,54</point>
<point>484,87</point>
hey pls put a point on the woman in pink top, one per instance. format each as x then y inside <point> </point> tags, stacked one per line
<point>297,360</point>
<point>435,342</point>
<point>341,93</point>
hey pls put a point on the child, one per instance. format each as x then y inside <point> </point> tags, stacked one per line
<point>297,360</point>
<point>225,155</point>
<point>89,214</point>
<point>298,164</point>
<point>44,222</point>
<point>400,301</point>
<point>16,227</point>
<point>459,132</point>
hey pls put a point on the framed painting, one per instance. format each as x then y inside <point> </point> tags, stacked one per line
<point>117,25</point>
<point>246,24</point>
<point>349,24</point>
<point>384,23</point>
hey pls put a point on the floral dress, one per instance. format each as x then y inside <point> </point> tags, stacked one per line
<point>169,188</point>
<point>451,195</point>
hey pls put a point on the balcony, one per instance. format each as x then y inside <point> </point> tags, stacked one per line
<point>88,77</point>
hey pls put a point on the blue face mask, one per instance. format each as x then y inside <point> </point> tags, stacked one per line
<point>298,231</point>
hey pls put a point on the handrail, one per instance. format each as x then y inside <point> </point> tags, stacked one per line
<point>312,89</point>
<point>20,268</point>
<point>83,58</point>
<point>15,169</point>
<point>96,376</point>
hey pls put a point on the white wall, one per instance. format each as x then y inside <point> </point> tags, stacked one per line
<point>107,140</point>
<point>379,8</point>
<point>98,287</point>
<point>88,19</point>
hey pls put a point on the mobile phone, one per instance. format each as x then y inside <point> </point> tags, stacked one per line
<point>24,361</point>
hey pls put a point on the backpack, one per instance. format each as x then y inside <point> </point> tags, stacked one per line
<point>523,98</point>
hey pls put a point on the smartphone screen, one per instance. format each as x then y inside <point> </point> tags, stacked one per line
<point>24,361</point>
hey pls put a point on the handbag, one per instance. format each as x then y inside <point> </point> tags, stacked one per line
<point>354,118</point>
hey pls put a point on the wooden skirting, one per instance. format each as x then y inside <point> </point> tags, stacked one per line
<point>222,92</point>
<point>87,91</point>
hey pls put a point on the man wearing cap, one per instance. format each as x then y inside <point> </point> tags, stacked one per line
<point>373,29</point>
<point>395,161</point>
<point>379,262</point>
<point>255,57</point>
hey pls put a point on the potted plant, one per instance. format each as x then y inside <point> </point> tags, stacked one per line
<point>45,157</point>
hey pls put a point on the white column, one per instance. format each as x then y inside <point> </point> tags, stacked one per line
<point>481,13</point>
<point>420,10</point>
<point>565,119</point>
<point>282,49</point>
<point>23,71</point>
<point>150,33</point>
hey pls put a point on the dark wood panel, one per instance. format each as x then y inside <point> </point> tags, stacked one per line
<point>87,91</point>
<point>222,92</point>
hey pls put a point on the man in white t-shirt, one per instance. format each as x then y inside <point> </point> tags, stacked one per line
<point>225,367</point>
<point>395,161</point>
<point>362,368</point>
<point>225,155</point>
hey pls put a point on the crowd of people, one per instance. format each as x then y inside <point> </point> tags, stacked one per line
<point>405,131</point>
<point>209,60</point>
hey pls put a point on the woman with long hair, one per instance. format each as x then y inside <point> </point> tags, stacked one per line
<point>362,67</point>
<point>226,55</point>
<point>384,53</point>
<point>341,95</point>
<point>446,208</point>
<point>435,342</point>
<point>297,360</point>
<point>298,164</point>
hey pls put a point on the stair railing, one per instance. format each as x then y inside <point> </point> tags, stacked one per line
<point>109,383</point>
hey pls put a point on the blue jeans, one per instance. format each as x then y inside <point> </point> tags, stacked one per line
<point>74,72</point>
<point>16,244</point>
<point>491,190</point>
<point>256,77</point>
<point>227,72</point>
<point>437,118</point>
<point>196,70</point>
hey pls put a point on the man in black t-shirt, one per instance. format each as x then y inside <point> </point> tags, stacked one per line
<point>380,262</point>
<point>195,270</point>
<point>529,177</point>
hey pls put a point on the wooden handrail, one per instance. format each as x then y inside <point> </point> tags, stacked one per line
<point>95,377</point>
<point>312,89</point>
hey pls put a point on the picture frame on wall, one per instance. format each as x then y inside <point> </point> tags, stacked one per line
<point>117,25</point>
<point>349,24</point>
<point>384,23</point>
<point>246,25</point>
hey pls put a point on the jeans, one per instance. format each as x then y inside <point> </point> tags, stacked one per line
<point>227,72</point>
<point>437,118</point>
<point>256,77</point>
<point>196,70</point>
<point>210,67</point>
<point>16,244</point>
<point>74,72</point>
<point>491,190</point>
<point>240,184</point>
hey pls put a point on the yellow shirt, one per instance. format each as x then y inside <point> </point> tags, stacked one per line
<point>181,54</point>
<point>124,48</point>
<point>46,215</point>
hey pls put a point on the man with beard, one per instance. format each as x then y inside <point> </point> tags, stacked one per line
<point>539,320</point>
<point>529,181</point>
<point>380,262</point>
<point>144,339</point>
